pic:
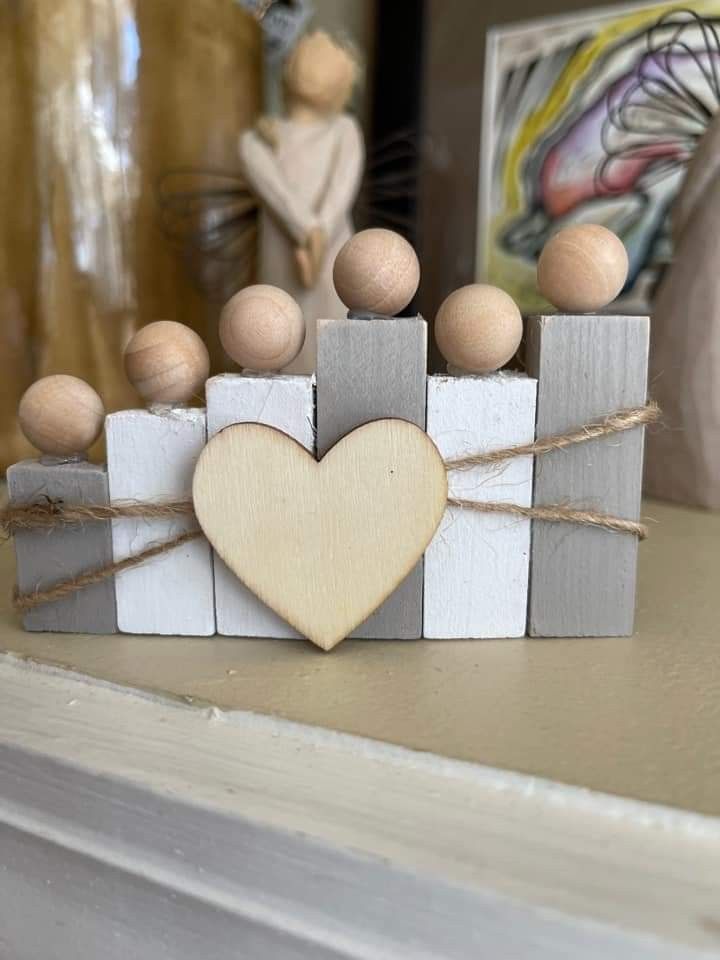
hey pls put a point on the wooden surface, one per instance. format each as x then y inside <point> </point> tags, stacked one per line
<point>478,328</point>
<point>262,328</point>
<point>167,362</point>
<point>135,827</point>
<point>367,370</point>
<point>376,271</point>
<point>278,400</point>
<point>152,456</point>
<point>477,567</point>
<point>322,544</point>
<point>582,268</point>
<point>632,716</point>
<point>582,579</point>
<point>46,556</point>
<point>61,416</point>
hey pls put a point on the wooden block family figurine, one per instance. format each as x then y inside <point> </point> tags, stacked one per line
<point>368,499</point>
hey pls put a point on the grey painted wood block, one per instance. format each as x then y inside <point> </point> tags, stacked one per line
<point>47,557</point>
<point>367,370</point>
<point>582,580</point>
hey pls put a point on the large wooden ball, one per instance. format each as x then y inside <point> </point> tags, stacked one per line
<point>167,362</point>
<point>478,328</point>
<point>376,271</point>
<point>61,415</point>
<point>262,328</point>
<point>582,268</point>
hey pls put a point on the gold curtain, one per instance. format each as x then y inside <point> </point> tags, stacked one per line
<point>100,97</point>
<point>18,223</point>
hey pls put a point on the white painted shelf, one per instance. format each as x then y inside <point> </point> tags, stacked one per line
<point>133,827</point>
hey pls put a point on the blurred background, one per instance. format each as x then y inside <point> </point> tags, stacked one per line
<point>486,127</point>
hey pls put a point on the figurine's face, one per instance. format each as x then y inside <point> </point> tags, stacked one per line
<point>320,73</point>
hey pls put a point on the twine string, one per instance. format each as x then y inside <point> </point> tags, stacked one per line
<point>26,601</point>
<point>556,513</point>
<point>616,422</point>
<point>50,514</point>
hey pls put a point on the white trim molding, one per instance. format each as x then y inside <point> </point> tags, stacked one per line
<point>146,828</point>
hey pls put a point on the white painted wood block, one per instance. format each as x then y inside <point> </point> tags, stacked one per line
<point>277,400</point>
<point>477,566</point>
<point>152,456</point>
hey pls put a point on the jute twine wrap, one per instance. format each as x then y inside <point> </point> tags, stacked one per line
<point>50,514</point>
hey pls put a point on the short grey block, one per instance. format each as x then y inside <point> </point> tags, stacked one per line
<point>582,579</point>
<point>45,557</point>
<point>367,370</point>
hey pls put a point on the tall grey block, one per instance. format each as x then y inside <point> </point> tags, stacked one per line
<point>368,369</point>
<point>582,579</point>
<point>45,557</point>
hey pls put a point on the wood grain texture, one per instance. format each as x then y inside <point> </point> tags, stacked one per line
<point>325,543</point>
<point>45,557</point>
<point>478,328</point>
<point>376,271</point>
<point>281,401</point>
<point>152,456</point>
<point>477,566</point>
<point>582,580</point>
<point>262,327</point>
<point>60,415</point>
<point>368,370</point>
<point>167,362</point>
<point>582,268</point>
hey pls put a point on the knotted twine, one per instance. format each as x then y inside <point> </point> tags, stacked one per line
<point>52,514</point>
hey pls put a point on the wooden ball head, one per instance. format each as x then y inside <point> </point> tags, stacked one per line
<point>582,268</point>
<point>478,328</point>
<point>262,328</point>
<point>61,415</point>
<point>167,362</point>
<point>376,271</point>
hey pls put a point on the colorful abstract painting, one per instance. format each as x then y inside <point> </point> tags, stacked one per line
<point>592,119</point>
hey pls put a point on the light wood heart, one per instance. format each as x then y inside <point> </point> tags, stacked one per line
<point>322,544</point>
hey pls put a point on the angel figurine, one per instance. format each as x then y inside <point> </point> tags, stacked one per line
<point>305,170</point>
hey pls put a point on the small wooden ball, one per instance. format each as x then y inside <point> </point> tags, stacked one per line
<point>478,328</point>
<point>167,362</point>
<point>61,415</point>
<point>262,328</point>
<point>582,268</point>
<point>376,271</point>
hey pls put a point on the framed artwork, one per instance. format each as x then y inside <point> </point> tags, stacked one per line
<point>592,117</point>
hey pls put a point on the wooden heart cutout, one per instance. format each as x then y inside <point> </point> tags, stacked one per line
<point>322,544</point>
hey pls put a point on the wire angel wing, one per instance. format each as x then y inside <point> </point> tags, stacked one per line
<point>209,217</point>
<point>388,192</point>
